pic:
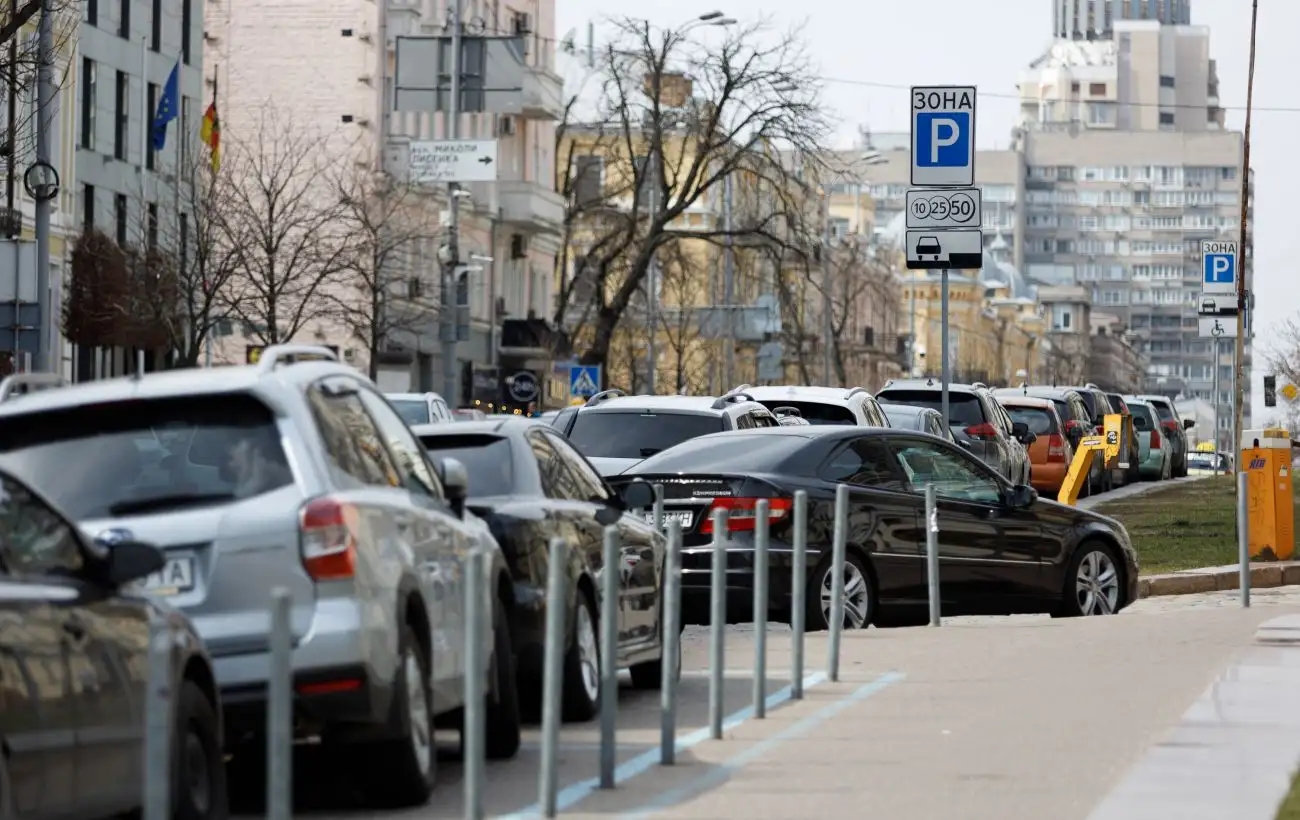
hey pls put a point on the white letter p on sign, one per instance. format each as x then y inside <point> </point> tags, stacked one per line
<point>938,140</point>
<point>1221,264</point>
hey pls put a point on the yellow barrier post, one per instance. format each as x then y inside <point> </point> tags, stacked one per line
<point>1266,456</point>
<point>1106,445</point>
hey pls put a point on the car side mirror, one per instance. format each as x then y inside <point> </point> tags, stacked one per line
<point>455,482</point>
<point>1020,430</point>
<point>132,560</point>
<point>638,495</point>
<point>1021,496</point>
<point>1189,424</point>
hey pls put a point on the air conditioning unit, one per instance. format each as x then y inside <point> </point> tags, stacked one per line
<point>506,126</point>
<point>523,23</point>
<point>364,79</point>
<point>518,246</point>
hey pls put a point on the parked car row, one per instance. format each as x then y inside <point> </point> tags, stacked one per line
<point>191,495</point>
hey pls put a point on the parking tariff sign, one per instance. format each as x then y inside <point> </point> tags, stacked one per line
<point>943,136</point>
<point>1219,266</point>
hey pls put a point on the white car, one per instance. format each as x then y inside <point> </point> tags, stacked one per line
<point>822,405</point>
<point>420,408</point>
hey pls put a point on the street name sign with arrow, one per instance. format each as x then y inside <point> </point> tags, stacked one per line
<point>439,161</point>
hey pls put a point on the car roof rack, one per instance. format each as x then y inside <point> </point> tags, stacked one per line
<point>978,385</point>
<point>11,384</point>
<point>275,355</point>
<point>855,391</point>
<point>611,393</point>
<point>730,398</point>
<point>782,412</point>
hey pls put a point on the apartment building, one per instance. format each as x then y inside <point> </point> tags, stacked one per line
<point>1128,168</point>
<point>337,80</point>
<point>1095,19</point>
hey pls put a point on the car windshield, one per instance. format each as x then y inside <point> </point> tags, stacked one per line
<point>412,411</point>
<point>1040,421</point>
<point>132,457</point>
<point>1163,410</point>
<point>486,458</point>
<point>732,453</point>
<point>815,412</point>
<point>637,433</point>
<point>963,408</point>
<point>1202,461</point>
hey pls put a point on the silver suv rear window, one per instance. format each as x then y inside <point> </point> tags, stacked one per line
<point>144,456</point>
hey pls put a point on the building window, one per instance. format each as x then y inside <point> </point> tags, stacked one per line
<point>124,22</point>
<point>90,12</point>
<point>150,155</point>
<point>1166,81</point>
<point>122,112</point>
<point>87,103</point>
<point>1166,118</point>
<point>88,208</point>
<point>187,20</point>
<point>1097,89</point>
<point>151,226</point>
<point>119,215</point>
<point>155,32</point>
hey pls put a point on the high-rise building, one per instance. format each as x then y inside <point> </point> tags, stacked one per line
<point>1128,168</point>
<point>1095,19</point>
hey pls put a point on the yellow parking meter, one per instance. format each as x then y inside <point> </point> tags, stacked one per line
<point>1270,510</point>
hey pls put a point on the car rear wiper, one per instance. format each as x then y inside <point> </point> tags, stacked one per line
<point>165,502</point>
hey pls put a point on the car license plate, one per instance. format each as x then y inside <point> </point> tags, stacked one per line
<point>176,577</point>
<point>684,516</point>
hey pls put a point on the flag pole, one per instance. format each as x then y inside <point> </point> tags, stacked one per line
<point>145,117</point>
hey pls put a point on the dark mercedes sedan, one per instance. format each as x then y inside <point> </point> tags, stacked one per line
<point>529,485</point>
<point>1003,550</point>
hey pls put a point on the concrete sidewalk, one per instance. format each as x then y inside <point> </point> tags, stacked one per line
<point>1033,718</point>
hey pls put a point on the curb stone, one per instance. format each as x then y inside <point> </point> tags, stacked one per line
<point>1214,579</point>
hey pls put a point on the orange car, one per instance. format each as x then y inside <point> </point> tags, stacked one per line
<point>1049,452</point>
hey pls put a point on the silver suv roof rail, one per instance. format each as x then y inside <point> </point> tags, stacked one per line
<point>10,386</point>
<point>737,389</point>
<point>855,391</point>
<point>730,398</point>
<point>611,393</point>
<point>980,386</point>
<point>275,355</point>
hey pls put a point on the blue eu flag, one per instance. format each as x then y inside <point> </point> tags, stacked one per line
<point>168,107</point>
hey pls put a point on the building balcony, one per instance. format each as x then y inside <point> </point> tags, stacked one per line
<point>542,96</point>
<point>530,206</point>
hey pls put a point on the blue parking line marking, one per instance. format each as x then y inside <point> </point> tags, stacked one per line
<point>575,793</point>
<point>720,774</point>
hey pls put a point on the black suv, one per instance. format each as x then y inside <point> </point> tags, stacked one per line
<point>977,421</point>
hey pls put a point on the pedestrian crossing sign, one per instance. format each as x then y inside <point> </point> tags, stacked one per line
<point>584,380</point>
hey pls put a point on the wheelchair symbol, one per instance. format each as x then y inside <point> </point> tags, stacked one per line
<point>1217,330</point>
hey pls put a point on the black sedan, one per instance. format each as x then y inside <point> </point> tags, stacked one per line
<point>530,485</point>
<point>1003,550</point>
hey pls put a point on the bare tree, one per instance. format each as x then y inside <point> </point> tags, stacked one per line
<point>678,114</point>
<point>283,216</point>
<point>683,279</point>
<point>381,288</point>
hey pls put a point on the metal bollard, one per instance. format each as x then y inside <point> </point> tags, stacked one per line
<point>838,549</point>
<point>932,553</point>
<point>157,723</point>
<point>659,507</point>
<point>760,608</point>
<point>672,645</point>
<point>475,685</point>
<point>717,622</point>
<point>609,606</point>
<point>279,710</point>
<point>798,593</point>
<point>1243,539</point>
<point>553,674</point>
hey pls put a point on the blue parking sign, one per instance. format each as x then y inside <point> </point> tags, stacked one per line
<point>943,139</point>
<point>1218,266</point>
<point>584,381</point>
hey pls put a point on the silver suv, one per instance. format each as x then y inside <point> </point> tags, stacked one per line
<point>294,473</point>
<point>615,430</point>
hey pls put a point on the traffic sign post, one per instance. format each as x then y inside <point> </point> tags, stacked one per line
<point>944,226</point>
<point>1219,266</point>
<point>443,161</point>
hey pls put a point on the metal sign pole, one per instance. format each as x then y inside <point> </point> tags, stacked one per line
<point>553,677</point>
<point>798,593</point>
<point>609,584</point>
<point>1243,538</point>
<point>717,622</point>
<point>932,553</point>
<point>672,645</point>
<point>760,608</point>
<point>475,685</point>
<point>945,365</point>
<point>838,549</point>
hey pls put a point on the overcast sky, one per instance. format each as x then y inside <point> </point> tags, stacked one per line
<point>870,51</point>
